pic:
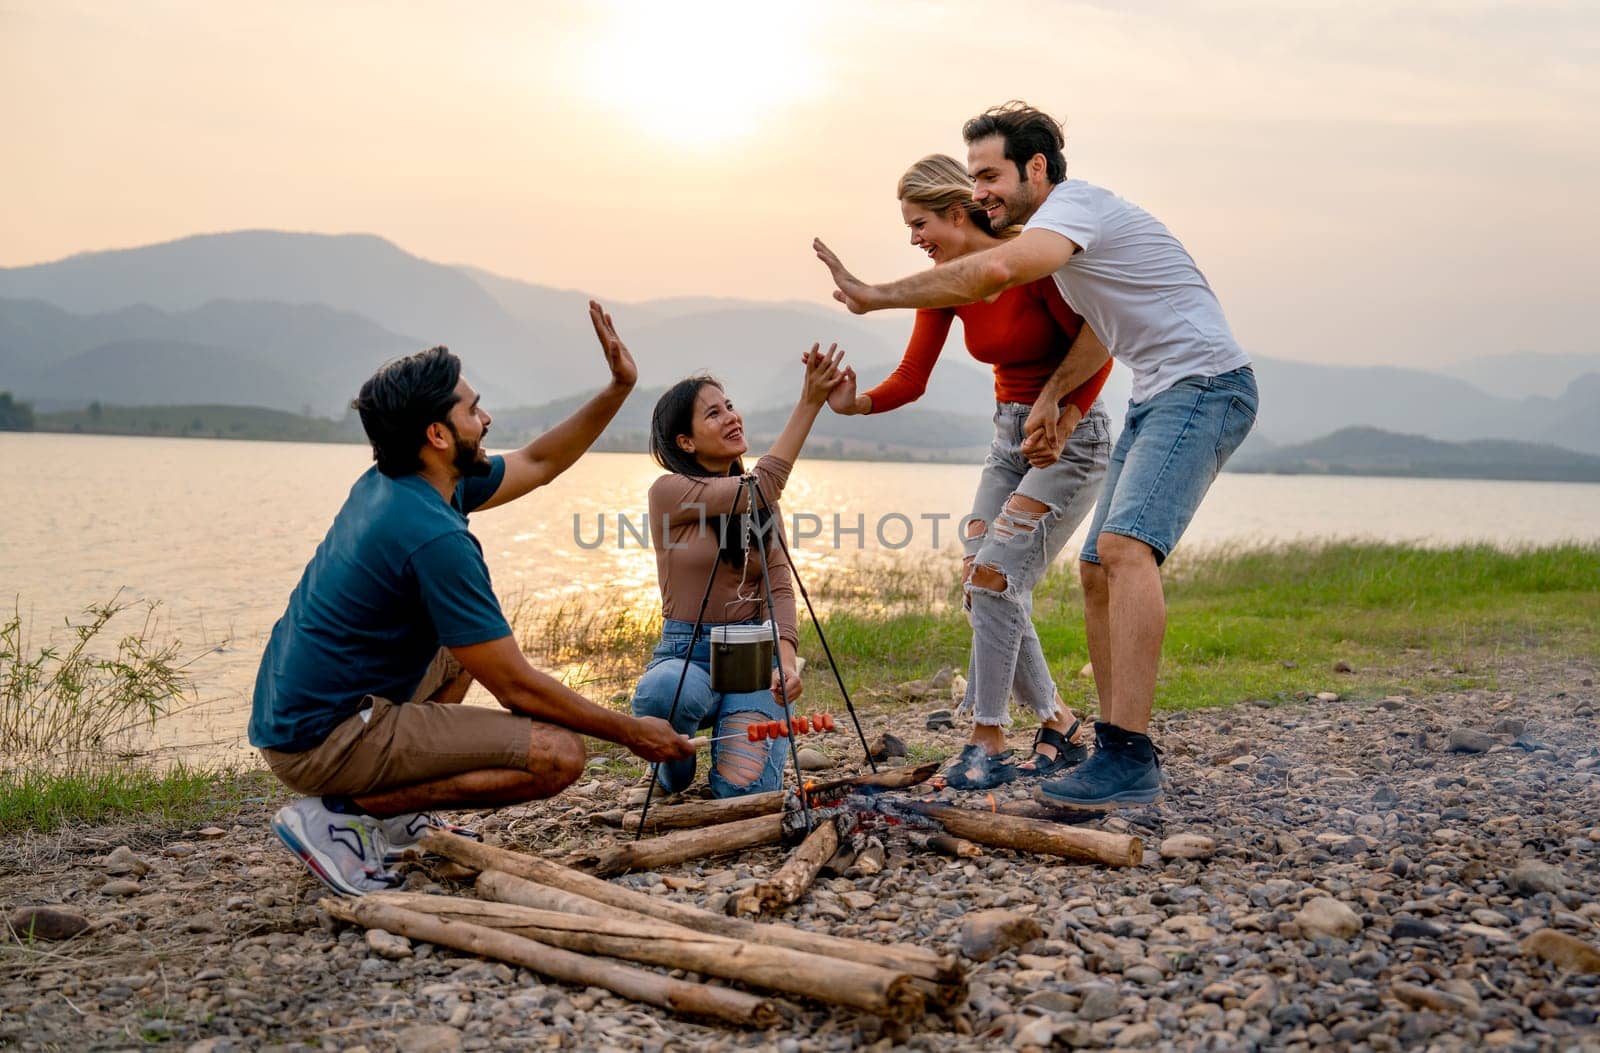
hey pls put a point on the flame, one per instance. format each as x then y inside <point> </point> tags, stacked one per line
<point>993,807</point>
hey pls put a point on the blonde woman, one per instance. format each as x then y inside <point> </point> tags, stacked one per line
<point>1042,475</point>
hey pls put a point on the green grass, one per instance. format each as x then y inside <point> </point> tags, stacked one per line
<point>1241,624</point>
<point>1272,623</point>
<point>179,796</point>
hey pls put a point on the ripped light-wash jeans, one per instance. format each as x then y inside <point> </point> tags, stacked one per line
<point>700,707</point>
<point>1007,661</point>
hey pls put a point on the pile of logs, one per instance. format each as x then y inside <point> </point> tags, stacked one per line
<point>574,926</point>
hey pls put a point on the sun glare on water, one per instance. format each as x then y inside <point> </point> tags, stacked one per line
<point>702,71</point>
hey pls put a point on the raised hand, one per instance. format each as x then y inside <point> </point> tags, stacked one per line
<point>623,370</point>
<point>842,399</point>
<point>852,291</point>
<point>822,374</point>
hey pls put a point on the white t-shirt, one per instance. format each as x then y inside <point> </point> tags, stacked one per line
<point>1138,287</point>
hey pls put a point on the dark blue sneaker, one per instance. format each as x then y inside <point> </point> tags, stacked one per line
<point>1124,770</point>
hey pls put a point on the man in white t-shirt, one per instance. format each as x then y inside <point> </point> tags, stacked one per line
<point>1194,400</point>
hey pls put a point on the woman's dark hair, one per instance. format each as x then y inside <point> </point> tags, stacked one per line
<point>674,416</point>
<point>400,401</point>
<point>1026,131</point>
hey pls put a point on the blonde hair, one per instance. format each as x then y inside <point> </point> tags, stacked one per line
<point>939,183</point>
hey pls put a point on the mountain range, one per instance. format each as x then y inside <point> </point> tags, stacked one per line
<point>294,322</point>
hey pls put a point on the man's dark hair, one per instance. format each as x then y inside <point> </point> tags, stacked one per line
<point>399,401</point>
<point>1026,132</point>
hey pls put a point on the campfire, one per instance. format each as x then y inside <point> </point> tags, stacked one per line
<point>566,922</point>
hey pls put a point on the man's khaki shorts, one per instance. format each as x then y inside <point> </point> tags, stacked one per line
<point>388,745</point>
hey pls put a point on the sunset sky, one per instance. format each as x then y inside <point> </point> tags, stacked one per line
<point>1361,181</point>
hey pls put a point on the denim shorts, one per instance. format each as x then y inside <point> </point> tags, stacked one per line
<point>1172,446</point>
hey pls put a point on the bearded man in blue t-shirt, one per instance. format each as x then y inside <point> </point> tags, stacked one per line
<point>357,702</point>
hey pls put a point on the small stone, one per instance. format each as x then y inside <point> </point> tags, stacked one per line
<point>205,921</point>
<point>1416,929</point>
<point>1187,846</point>
<point>1048,1001</point>
<point>987,933</point>
<point>1468,740</point>
<point>1327,696</point>
<point>1532,877</point>
<point>958,689</point>
<point>428,1038</point>
<point>1100,1002</point>
<point>1562,951</point>
<point>122,860</point>
<point>941,720</point>
<point>858,900</point>
<point>1510,726</point>
<point>1087,672</point>
<point>1193,926</point>
<point>1038,1032</point>
<point>1144,975</point>
<point>885,746</point>
<point>386,944</point>
<point>121,887</point>
<point>1341,666</point>
<point>1325,916</point>
<point>45,923</point>
<point>1428,998</point>
<point>813,759</point>
<point>1137,1036</point>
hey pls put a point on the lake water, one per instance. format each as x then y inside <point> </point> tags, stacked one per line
<point>218,532</point>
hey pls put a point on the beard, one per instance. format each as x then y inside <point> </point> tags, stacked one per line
<point>469,460</point>
<point>1016,208</point>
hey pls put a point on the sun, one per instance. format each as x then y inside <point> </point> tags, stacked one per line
<point>703,71</point>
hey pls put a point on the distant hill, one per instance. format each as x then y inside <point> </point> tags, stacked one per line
<point>287,356</point>
<point>522,343</point>
<point>201,422</point>
<point>1302,400</point>
<point>1519,374</point>
<point>907,433</point>
<point>1370,451</point>
<point>357,273</point>
<point>296,321</point>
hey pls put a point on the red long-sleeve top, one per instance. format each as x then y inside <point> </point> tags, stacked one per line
<point>1024,334</point>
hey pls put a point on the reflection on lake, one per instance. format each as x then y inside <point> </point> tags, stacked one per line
<point>218,532</point>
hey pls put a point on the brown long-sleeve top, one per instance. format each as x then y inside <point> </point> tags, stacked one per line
<point>683,512</point>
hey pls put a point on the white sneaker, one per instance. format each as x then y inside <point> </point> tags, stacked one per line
<point>344,852</point>
<point>400,833</point>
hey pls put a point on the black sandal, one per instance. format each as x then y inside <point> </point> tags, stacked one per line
<point>978,769</point>
<point>1067,755</point>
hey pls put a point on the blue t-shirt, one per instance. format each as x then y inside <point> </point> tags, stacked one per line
<point>397,577</point>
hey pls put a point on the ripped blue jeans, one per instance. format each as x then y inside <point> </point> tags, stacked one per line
<point>1007,661</point>
<point>738,766</point>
